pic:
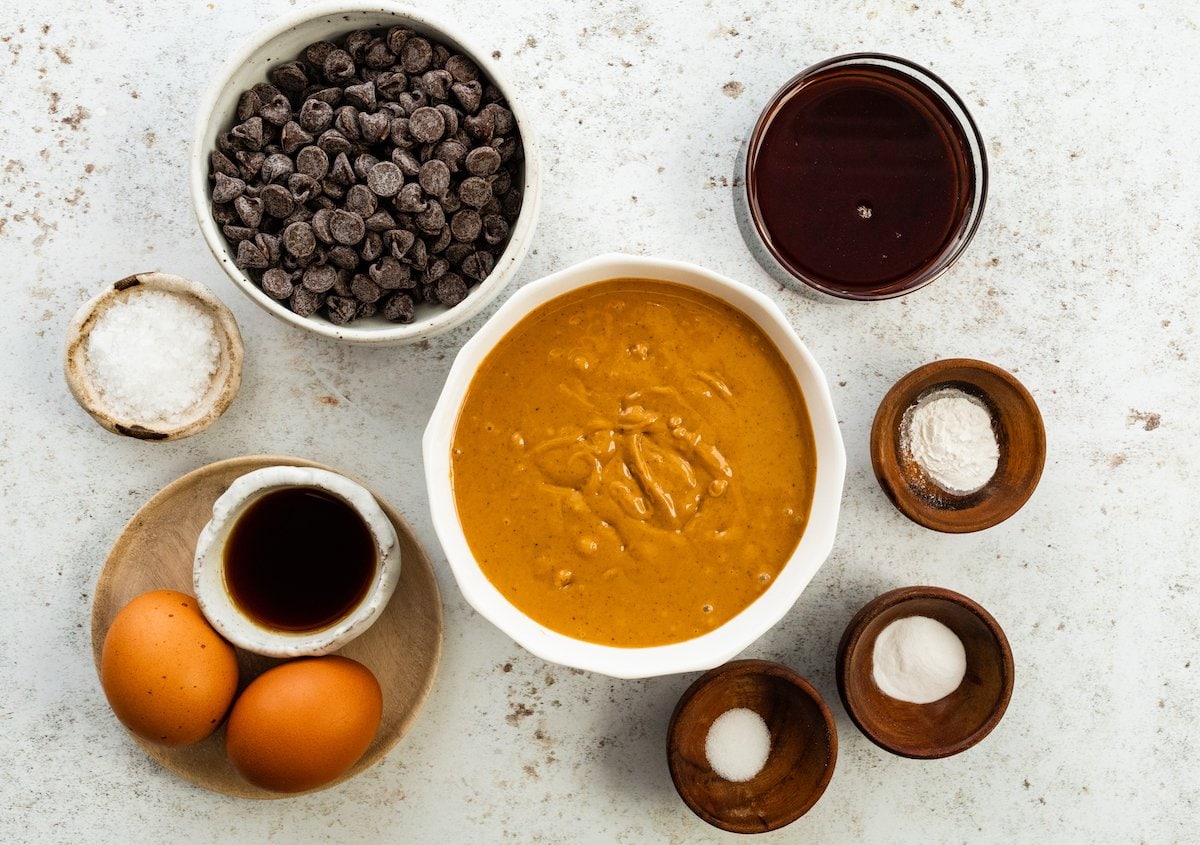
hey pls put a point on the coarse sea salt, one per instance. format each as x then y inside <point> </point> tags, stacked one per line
<point>738,744</point>
<point>151,356</point>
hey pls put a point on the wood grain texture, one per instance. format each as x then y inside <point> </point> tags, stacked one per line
<point>1020,434</point>
<point>951,724</point>
<point>155,550</point>
<point>803,747</point>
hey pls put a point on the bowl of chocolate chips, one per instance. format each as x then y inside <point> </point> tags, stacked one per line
<point>361,173</point>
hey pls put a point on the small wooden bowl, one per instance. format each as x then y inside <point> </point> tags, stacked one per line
<point>223,386</point>
<point>1019,431</point>
<point>951,724</point>
<point>803,747</point>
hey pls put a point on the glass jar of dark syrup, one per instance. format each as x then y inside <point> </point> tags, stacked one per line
<point>865,178</point>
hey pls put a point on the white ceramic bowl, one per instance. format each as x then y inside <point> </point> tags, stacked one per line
<point>208,573</point>
<point>726,641</point>
<point>223,385</point>
<point>282,41</point>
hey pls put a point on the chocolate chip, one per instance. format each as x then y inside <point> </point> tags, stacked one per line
<point>249,135</point>
<point>468,94</point>
<point>338,66</point>
<point>304,301</point>
<point>227,188</point>
<point>248,105</point>
<point>396,36</point>
<point>276,112</point>
<point>342,256</point>
<point>451,289</point>
<point>385,179</point>
<point>475,191</point>
<point>315,115</point>
<point>223,214</point>
<point>289,77</point>
<point>236,234</point>
<point>341,309</point>
<point>313,161</point>
<point>434,270</point>
<point>466,224</point>
<point>320,224</point>
<point>316,53</point>
<point>319,277</point>
<point>415,55</point>
<point>250,256</point>
<point>427,124</point>
<point>299,240</point>
<point>277,201</point>
<point>452,117</point>
<point>342,172</point>
<point>374,128</point>
<point>365,289</point>
<point>436,83</point>
<point>391,84</point>
<point>495,229</point>
<point>371,247</point>
<point>462,69</point>
<point>482,161</point>
<point>333,142</point>
<point>399,242</point>
<point>277,283</point>
<point>432,219</point>
<point>293,136</point>
<point>410,198</point>
<point>442,240</point>
<point>380,221</point>
<point>347,227</point>
<point>277,168</point>
<point>406,161</point>
<point>221,163</point>
<point>478,265</point>
<point>361,201</point>
<point>378,56</point>
<point>399,308</point>
<point>360,96</point>
<point>390,274</point>
<point>363,164</point>
<point>434,178</point>
<point>250,210</point>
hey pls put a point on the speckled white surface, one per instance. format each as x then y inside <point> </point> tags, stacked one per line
<point>1082,281</point>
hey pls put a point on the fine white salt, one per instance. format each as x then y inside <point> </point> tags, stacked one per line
<point>918,659</point>
<point>738,744</point>
<point>151,356</point>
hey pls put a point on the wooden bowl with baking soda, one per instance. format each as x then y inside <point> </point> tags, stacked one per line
<point>871,658</point>
<point>958,445</point>
<point>751,746</point>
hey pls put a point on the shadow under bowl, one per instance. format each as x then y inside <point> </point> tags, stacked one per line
<point>951,724</point>
<point>803,747</point>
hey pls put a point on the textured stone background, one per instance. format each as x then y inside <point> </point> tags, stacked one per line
<point>1082,281</point>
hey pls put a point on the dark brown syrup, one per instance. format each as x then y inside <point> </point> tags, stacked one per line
<point>299,559</point>
<point>861,179</point>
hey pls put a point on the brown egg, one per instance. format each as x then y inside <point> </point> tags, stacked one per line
<point>168,675</point>
<point>303,723</point>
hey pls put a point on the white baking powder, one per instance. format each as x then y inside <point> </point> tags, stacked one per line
<point>738,744</point>
<point>151,356</point>
<point>918,659</point>
<point>949,435</point>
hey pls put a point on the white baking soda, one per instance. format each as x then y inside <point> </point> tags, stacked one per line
<point>919,660</point>
<point>949,435</point>
<point>738,744</point>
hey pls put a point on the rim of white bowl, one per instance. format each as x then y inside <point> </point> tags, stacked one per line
<point>715,647</point>
<point>206,126</point>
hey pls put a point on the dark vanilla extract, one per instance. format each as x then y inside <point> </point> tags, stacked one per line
<point>299,559</point>
<point>860,180</point>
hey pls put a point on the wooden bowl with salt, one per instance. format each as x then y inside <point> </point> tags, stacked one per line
<point>799,763</point>
<point>940,728</point>
<point>212,400</point>
<point>1019,432</point>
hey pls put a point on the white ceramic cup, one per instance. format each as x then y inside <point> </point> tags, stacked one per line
<point>721,644</point>
<point>208,573</point>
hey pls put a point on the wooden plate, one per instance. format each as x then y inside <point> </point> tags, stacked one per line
<point>154,552</point>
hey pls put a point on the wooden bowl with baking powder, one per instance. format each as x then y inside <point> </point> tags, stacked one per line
<point>951,724</point>
<point>800,763</point>
<point>1020,434</point>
